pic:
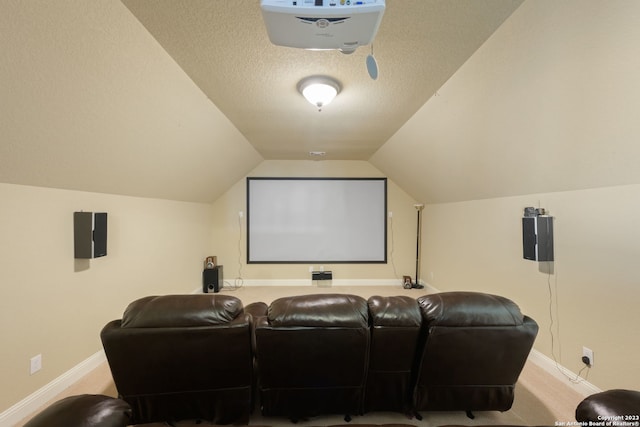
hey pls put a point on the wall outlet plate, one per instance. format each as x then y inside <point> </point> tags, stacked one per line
<point>35,364</point>
<point>588,353</point>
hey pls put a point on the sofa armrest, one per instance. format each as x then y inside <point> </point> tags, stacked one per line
<point>395,311</point>
<point>611,403</point>
<point>257,309</point>
<point>86,410</point>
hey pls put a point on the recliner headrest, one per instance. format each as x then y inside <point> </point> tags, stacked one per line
<point>325,310</point>
<point>181,311</point>
<point>469,309</point>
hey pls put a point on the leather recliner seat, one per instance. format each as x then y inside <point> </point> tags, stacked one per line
<point>312,355</point>
<point>473,348</point>
<point>178,357</point>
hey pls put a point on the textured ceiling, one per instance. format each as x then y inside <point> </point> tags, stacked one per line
<point>181,99</point>
<point>224,48</point>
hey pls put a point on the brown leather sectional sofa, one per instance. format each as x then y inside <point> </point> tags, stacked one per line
<point>207,357</point>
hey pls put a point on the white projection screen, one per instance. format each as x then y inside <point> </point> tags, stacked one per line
<point>316,220</point>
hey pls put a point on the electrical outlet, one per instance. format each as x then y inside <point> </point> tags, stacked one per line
<point>588,354</point>
<point>240,214</point>
<point>311,269</point>
<point>36,364</point>
<point>390,214</point>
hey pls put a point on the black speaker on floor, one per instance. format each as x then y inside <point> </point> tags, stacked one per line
<point>212,280</point>
<point>89,234</point>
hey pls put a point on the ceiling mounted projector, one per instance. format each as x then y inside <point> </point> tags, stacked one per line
<point>322,24</point>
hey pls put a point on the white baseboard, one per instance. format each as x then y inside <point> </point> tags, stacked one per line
<point>39,398</point>
<point>563,374</point>
<point>309,282</point>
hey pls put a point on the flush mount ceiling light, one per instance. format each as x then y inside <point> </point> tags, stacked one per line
<point>319,90</point>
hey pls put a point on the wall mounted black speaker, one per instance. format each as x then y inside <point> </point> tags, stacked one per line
<point>89,234</point>
<point>537,238</point>
<point>212,279</point>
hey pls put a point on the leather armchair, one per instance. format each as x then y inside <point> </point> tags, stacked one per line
<point>178,357</point>
<point>395,327</point>
<point>312,354</point>
<point>474,347</point>
<point>617,405</point>
<point>86,410</point>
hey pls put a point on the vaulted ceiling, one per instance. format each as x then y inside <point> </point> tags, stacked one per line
<point>179,99</point>
<point>223,46</point>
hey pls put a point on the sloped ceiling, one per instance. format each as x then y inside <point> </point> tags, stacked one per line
<point>549,103</point>
<point>223,46</point>
<point>89,101</point>
<point>178,99</point>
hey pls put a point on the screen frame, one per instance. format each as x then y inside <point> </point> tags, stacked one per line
<point>379,260</point>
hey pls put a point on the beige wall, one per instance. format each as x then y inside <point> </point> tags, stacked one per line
<point>53,305</point>
<point>594,288</point>
<point>230,239</point>
<point>548,103</point>
<point>543,114</point>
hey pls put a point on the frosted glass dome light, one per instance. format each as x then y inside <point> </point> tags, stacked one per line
<point>319,90</point>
